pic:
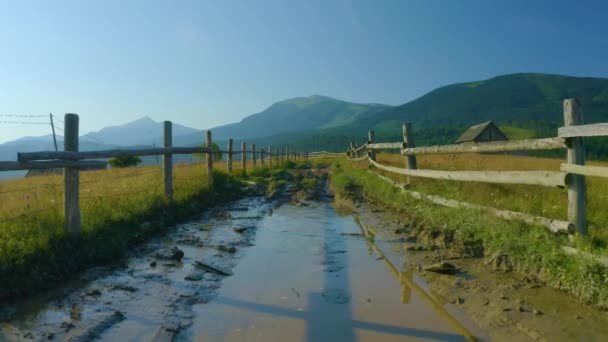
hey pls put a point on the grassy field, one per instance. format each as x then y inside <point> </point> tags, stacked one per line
<point>119,207</point>
<point>537,200</point>
<point>533,251</point>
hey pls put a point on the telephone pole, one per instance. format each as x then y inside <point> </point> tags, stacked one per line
<point>53,129</point>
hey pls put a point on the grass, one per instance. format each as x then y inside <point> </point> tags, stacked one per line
<point>536,200</point>
<point>532,250</point>
<point>119,208</point>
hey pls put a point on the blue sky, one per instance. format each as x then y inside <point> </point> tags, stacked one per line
<point>206,63</point>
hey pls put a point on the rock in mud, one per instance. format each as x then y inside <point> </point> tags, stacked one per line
<point>212,269</point>
<point>442,267</point>
<point>99,327</point>
<point>500,262</point>
<point>93,293</point>
<point>240,230</point>
<point>227,249</point>
<point>172,253</point>
<point>122,287</point>
<point>194,276</point>
<point>416,248</point>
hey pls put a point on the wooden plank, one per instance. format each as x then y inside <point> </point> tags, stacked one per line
<point>556,226</point>
<point>71,178</point>
<point>74,155</point>
<point>577,187</point>
<point>595,171</point>
<point>362,147</point>
<point>495,146</point>
<point>168,160</point>
<point>386,146</point>
<point>51,164</point>
<point>544,178</point>
<point>591,130</point>
<point>229,161</point>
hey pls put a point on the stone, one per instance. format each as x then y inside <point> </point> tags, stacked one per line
<point>442,267</point>
<point>172,253</point>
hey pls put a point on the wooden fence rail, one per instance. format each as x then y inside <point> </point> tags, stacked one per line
<point>572,173</point>
<point>73,161</point>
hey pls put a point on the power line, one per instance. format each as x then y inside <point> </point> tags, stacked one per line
<point>25,122</point>
<point>22,116</point>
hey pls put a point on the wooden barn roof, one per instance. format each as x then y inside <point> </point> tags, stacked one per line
<point>473,131</point>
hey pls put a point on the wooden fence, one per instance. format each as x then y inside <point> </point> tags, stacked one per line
<point>571,175</point>
<point>73,161</point>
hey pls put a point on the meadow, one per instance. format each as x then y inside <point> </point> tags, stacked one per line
<point>535,200</point>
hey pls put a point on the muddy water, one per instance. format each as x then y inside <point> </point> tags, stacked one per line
<point>312,277</point>
<point>299,273</point>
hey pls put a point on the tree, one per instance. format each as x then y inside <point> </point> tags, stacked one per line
<point>217,154</point>
<point>124,161</point>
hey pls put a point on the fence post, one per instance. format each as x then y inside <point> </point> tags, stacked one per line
<point>209,159</point>
<point>229,162</point>
<point>408,141</point>
<point>262,161</point>
<point>168,160</point>
<point>577,188</point>
<point>71,177</point>
<point>253,156</point>
<point>270,156</point>
<point>371,138</point>
<point>351,154</point>
<point>244,157</point>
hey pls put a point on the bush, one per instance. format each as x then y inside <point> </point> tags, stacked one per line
<point>126,161</point>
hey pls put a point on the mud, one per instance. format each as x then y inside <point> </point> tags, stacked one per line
<point>507,305</point>
<point>150,295</point>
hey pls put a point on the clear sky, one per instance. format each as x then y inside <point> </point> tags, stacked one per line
<point>206,63</point>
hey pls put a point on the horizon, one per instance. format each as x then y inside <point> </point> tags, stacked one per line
<point>113,63</point>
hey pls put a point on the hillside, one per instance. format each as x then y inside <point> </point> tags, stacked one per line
<point>530,103</point>
<point>525,100</point>
<point>298,114</point>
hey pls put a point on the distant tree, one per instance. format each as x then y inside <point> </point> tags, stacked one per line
<point>126,161</point>
<point>217,154</point>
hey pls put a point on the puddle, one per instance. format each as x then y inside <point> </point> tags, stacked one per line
<point>295,273</point>
<point>312,276</point>
<point>150,296</point>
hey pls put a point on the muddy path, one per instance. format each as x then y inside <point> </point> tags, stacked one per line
<point>507,305</point>
<point>149,296</point>
<point>268,270</point>
<point>252,270</point>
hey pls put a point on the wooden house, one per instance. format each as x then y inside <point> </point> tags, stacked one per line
<point>484,132</point>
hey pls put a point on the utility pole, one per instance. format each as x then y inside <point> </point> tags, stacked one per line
<point>53,129</point>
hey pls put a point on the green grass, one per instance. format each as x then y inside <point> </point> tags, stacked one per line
<point>532,250</point>
<point>119,208</point>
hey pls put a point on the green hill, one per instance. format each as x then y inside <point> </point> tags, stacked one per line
<point>299,114</point>
<point>525,105</point>
<point>513,98</point>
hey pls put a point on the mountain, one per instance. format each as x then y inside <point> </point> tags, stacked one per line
<point>144,131</point>
<point>298,114</point>
<point>523,105</point>
<point>514,99</point>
